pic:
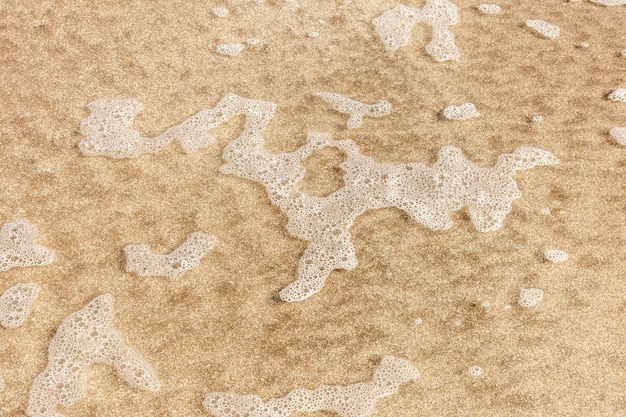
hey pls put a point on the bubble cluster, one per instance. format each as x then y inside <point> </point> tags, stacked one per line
<point>141,260</point>
<point>394,27</point>
<point>17,249</point>
<point>230,49</point>
<point>475,371</point>
<point>555,255</point>
<point>16,304</point>
<point>356,400</point>
<point>619,134</point>
<point>355,109</point>
<point>489,8</point>
<point>530,297</point>
<point>618,95</point>
<point>463,112</point>
<point>108,131</point>
<point>220,11</point>
<point>609,2</point>
<point>544,28</point>
<point>86,337</point>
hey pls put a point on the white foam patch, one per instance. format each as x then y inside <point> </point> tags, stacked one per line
<point>537,118</point>
<point>619,134</point>
<point>253,41</point>
<point>230,49</point>
<point>141,260</point>
<point>544,28</point>
<point>463,112</point>
<point>530,297</point>
<point>355,400</point>
<point>489,8</point>
<point>220,11</point>
<point>609,2</point>
<point>16,304</point>
<point>17,248</point>
<point>475,371</point>
<point>555,255</point>
<point>108,131</point>
<point>618,95</point>
<point>86,337</point>
<point>428,194</point>
<point>394,27</point>
<point>355,109</point>
<point>546,211</point>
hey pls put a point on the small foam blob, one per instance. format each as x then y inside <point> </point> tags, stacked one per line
<point>544,28</point>
<point>609,2</point>
<point>16,304</point>
<point>355,109</point>
<point>475,371</point>
<point>220,11</point>
<point>17,249</point>
<point>355,400</point>
<point>489,8</point>
<point>394,27</point>
<point>85,338</point>
<point>546,211</point>
<point>230,49</point>
<point>537,118</point>
<point>555,255</point>
<point>584,44</point>
<point>253,41</point>
<point>485,304</point>
<point>313,34</point>
<point>623,53</point>
<point>463,112</point>
<point>418,321</point>
<point>619,134</point>
<point>618,95</point>
<point>141,260</point>
<point>530,297</point>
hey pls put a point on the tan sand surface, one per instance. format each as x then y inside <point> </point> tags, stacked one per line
<point>221,327</point>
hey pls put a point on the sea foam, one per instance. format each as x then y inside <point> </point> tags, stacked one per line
<point>16,304</point>
<point>140,259</point>
<point>355,400</point>
<point>394,27</point>
<point>86,337</point>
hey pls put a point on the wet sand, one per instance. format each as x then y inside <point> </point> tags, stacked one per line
<point>221,326</point>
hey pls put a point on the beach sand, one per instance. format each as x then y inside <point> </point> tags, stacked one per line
<point>221,327</point>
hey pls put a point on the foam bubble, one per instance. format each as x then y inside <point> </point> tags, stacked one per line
<point>618,95</point>
<point>313,34</point>
<point>546,211</point>
<point>355,109</point>
<point>475,371</point>
<point>584,44</point>
<point>530,297</point>
<point>16,304</point>
<point>220,11</point>
<point>619,134</point>
<point>394,27</point>
<point>537,118</point>
<point>86,337</point>
<point>140,259</point>
<point>463,112</point>
<point>17,249</point>
<point>609,2</point>
<point>355,400</point>
<point>230,49</point>
<point>555,255</point>
<point>489,8</point>
<point>253,41</point>
<point>544,28</point>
